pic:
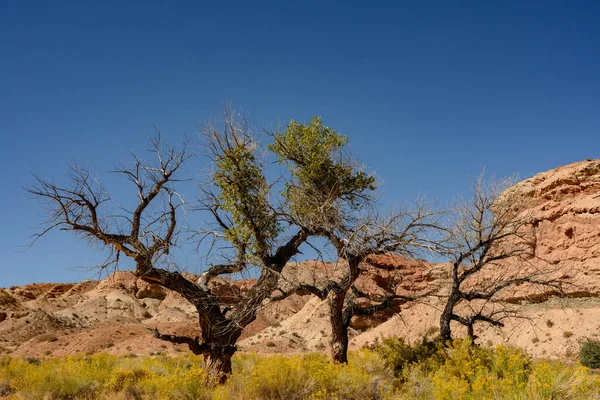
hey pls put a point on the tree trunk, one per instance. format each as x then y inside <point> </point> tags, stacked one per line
<point>218,365</point>
<point>339,329</point>
<point>471,332</point>
<point>220,337</point>
<point>446,317</point>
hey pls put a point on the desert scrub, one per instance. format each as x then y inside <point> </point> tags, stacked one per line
<point>459,371</point>
<point>554,380</point>
<point>589,353</point>
<point>398,355</point>
<point>75,377</point>
<point>179,384</point>
<point>473,373</point>
<point>97,376</point>
<point>311,376</point>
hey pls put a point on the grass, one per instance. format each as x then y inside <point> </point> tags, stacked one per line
<point>392,370</point>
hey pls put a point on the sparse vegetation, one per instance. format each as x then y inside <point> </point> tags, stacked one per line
<point>391,370</point>
<point>567,334</point>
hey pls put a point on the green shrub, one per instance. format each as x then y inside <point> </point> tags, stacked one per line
<point>398,355</point>
<point>589,353</point>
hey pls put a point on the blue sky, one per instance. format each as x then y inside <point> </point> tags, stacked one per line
<point>429,92</point>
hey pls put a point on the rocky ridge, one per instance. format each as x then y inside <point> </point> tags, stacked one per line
<point>113,314</point>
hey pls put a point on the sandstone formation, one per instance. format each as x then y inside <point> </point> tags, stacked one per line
<point>113,314</point>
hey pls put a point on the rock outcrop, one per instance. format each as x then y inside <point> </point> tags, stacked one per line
<point>565,212</point>
<point>113,314</point>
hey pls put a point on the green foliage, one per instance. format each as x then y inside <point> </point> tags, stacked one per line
<point>398,355</point>
<point>244,191</point>
<point>322,175</point>
<point>100,375</point>
<point>323,184</point>
<point>589,353</point>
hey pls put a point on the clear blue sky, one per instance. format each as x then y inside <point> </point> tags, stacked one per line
<point>429,92</point>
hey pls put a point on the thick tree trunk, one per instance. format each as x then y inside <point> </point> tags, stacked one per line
<point>339,344</point>
<point>218,365</point>
<point>339,328</point>
<point>221,338</point>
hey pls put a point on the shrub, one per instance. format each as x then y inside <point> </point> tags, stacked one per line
<point>398,355</point>
<point>472,372</point>
<point>275,377</point>
<point>123,379</point>
<point>311,376</point>
<point>68,378</point>
<point>554,380</point>
<point>589,353</point>
<point>459,371</point>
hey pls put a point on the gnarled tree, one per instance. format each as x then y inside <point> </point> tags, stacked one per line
<point>322,188</point>
<point>254,226</point>
<point>257,228</point>
<point>403,233</point>
<point>336,203</point>
<point>490,248</point>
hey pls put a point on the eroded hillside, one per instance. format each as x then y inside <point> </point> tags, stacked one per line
<point>114,314</point>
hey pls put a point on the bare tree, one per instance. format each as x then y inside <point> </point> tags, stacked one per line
<point>490,248</point>
<point>241,212</point>
<point>254,226</point>
<point>402,232</point>
<point>144,233</point>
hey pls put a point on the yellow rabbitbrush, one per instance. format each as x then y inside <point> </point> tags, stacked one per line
<point>460,371</point>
